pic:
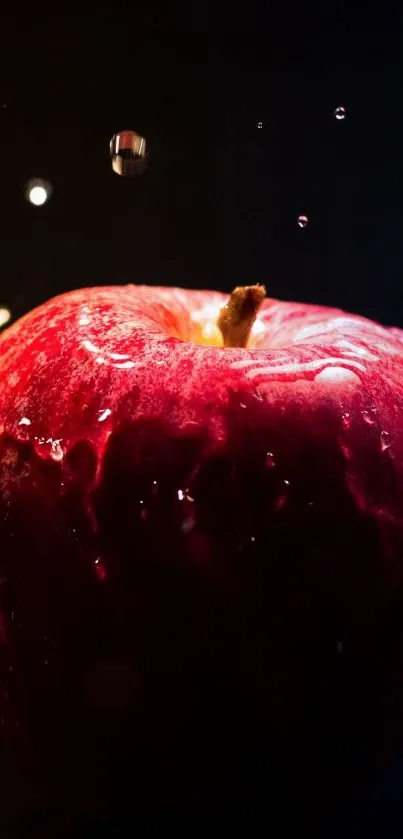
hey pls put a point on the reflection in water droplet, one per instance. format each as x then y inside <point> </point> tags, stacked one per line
<point>369,416</point>
<point>340,112</point>
<point>346,420</point>
<point>302,221</point>
<point>287,483</point>
<point>270,461</point>
<point>386,441</point>
<point>180,494</point>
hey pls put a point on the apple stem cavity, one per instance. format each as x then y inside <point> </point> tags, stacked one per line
<point>237,317</point>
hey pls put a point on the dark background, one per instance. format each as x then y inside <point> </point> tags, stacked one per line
<point>219,202</point>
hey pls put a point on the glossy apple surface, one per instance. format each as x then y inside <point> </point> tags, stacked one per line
<point>201,552</point>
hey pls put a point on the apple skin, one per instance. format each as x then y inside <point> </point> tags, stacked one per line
<point>201,554</point>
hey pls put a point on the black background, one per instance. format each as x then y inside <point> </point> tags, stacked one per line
<point>219,202</point>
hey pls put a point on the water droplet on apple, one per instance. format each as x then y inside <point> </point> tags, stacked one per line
<point>386,441</point>
<point>24,421</point>
<point>270,461</point>
<point>369,416</point>
<point>346,420</point>
<point>302,221</point>
<point>340,112</point>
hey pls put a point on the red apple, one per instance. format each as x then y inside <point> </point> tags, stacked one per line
<point>201,551</point>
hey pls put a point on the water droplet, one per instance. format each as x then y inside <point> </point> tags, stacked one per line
<point>287,483</point>
<point>260,125</point>
<point>104,414</point>
<point>369,416</point>
<point>128,153</point>
<point>340,112</point>
<point>100,570</point>
<point>346,420</point>
<point>302,221</point>
<point>386,441</point>
<point>253,538</point>
<point>24,421</point>
<point>38,191</point>
<point>50,447</point>
<point>181,494</point>
<point>270,461</point>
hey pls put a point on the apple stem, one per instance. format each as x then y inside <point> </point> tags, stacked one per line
<point>237,317</point>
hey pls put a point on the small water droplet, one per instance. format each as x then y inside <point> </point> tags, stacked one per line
<point>253,538</point>
<point>181,494</point>
<point>260,125</point>
<point>242,405</point>
<point>128,153</point>
<point>287,483</point>
<point>386,441</point>
<point>302,221</point>
<point>369,416</point>
<point>346,420</point>
<point>340,112</point>
<point>104,414</point>
<point>24,421</point>
<point>270,461</point>
<point>100,570</point>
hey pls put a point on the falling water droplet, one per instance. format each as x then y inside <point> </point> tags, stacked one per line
<point>386,441</point>
<point>369,416</point>
<point>128,153</point>
<point>302,221</point>
<point>270,461</point>
<point>346,420</point>
<point>340,112</point>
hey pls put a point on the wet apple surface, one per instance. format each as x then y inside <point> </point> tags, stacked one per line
<point>201,552</point>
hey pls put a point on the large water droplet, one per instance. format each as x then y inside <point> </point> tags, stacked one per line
<point>386,441</point>
<point>340,112</point>
<point>128,153</point>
